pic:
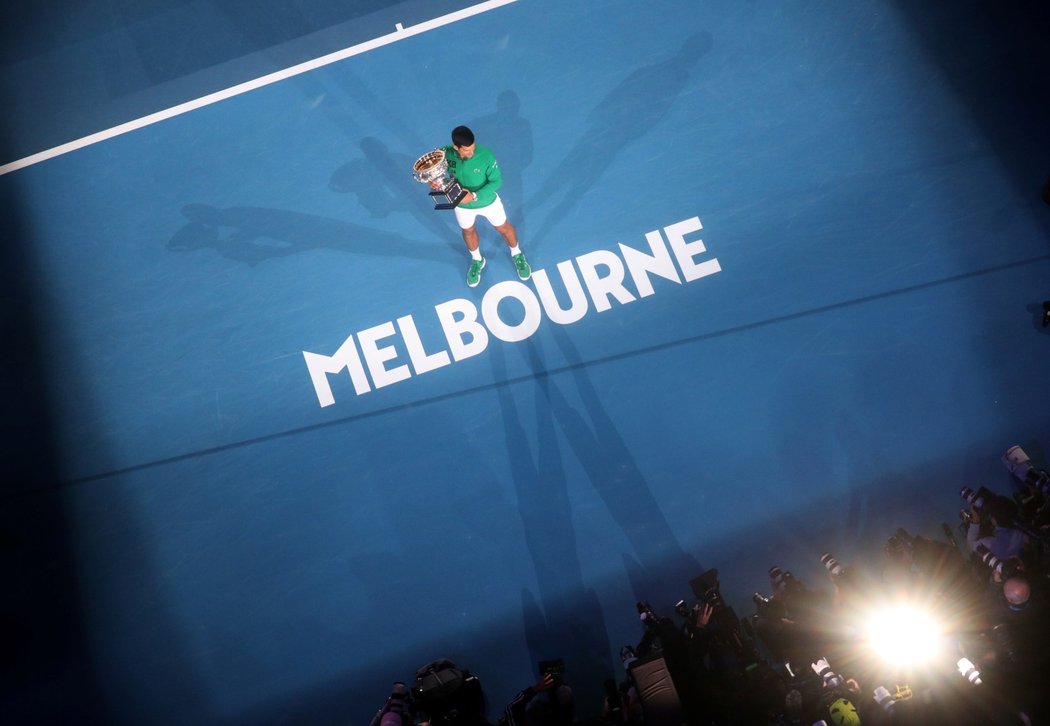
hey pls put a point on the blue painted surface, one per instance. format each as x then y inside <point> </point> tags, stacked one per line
<point>243,555</point>
<point>74,68</point>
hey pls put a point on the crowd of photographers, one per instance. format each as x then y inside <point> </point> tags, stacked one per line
<point>952,630</point>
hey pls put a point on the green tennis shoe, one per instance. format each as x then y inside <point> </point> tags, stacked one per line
<point>474,272</point>
<point>522,266</point>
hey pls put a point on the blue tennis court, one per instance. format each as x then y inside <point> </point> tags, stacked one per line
<point>271,453</point>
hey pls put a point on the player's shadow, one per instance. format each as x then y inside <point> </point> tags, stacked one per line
<point>593,436</point>
<point>382,182</point>
<point>625,116</point>
<point>565,620</point>
<point>509,135</point>
<point>254,234</point>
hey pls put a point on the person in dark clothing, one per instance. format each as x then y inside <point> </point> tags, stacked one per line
<point>525,708</point>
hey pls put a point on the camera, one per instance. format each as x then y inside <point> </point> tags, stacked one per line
<point>830,678</point>
<point>399,701</point>
<point>728,632</point>
<point>446,695</point>
<point>833,566</point>
<point>683,610</point>
<point>975,498</point>
<point>783,582</point>
<point>706,589</point>
<point>884,698</point>
<point>1004,568</point>
<point>763,604</point>
<point>1020,466</point>
<point>554,667</point>
<point>969,671</point>
<point>646,614</point>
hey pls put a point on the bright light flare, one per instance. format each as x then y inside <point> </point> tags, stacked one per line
<point>904,636</point>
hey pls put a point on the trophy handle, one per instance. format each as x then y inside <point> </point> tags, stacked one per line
<point>452,194</point>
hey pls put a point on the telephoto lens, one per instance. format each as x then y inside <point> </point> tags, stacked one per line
<point>1018,463</point>
<point>885,699</point>
<point>972,497</point>
<point>969,671</point>
<point>780,579</point>
<point>645,612</point>
<point>1003,568</point>
<point>831,679</point>
<point>833,566</point>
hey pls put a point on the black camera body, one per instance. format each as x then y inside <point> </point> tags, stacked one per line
<point>976,499</point>
<point>554,667</point>
<point>446,695</point>
<point>685,611</point>
<point>1020,466</point>
<point>706,590</point>
<point>646,614</point>
<point>785,584</point>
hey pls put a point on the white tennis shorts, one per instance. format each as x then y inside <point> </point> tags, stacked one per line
<point>494,213</point>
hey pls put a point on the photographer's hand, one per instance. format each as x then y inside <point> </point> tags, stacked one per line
<point>544,683</point>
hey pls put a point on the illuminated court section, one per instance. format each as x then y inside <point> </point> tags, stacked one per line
<point>786,261</point>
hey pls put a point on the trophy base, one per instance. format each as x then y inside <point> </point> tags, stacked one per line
<point>451,196</point>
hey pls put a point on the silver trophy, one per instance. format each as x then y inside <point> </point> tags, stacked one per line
<point>433,167</point>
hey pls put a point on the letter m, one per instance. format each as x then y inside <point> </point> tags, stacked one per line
<point>321,365</point>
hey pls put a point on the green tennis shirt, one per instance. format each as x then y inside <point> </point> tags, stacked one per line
<point>480,174</point>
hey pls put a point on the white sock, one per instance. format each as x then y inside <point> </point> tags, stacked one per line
<point>514,251</point>
<point>475,254</point>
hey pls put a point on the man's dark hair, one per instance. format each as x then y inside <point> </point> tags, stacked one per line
<point>462,136</point>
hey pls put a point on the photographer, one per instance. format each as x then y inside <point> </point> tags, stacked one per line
<point>664,641</point>
<point>444,694</point>
<point>990,525</point>
<point>736,684</point>
<point>792,623</point>
<point>1015,634</point>
<point>396,711</point>
<point>556,709</point>
<point>932,571</point>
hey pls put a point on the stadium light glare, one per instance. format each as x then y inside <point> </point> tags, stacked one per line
<point>904,636</point>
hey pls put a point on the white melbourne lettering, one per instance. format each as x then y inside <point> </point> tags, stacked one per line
<point>604,275</point>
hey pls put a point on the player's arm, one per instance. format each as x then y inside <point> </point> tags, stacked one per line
<point>493,181</point>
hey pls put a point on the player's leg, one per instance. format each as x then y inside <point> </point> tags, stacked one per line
<point>470,236</point>
<point>465,218</point>
<point>497,215</point>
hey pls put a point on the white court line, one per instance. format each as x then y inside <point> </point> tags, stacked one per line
<point>400,33</point>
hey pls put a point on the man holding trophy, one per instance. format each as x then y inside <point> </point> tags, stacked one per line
<point>467,177</point>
